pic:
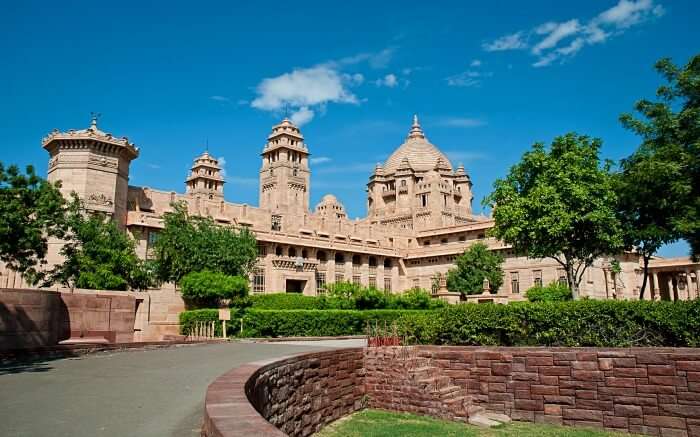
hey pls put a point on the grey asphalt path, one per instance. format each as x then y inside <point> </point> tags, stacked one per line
<point>132,393</point>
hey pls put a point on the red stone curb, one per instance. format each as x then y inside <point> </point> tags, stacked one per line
<point>83,349</point>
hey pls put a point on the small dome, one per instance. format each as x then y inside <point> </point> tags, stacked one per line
<point>329,198</point>
<point>330,205</point>
<point>420,154</point>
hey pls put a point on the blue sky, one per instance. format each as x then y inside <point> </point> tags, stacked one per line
<point>487,80</point>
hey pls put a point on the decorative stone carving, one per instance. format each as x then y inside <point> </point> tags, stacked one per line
<point>99,199</point>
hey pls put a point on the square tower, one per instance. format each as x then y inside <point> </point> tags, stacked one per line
<point>285,174</point>
<point>93,164</point>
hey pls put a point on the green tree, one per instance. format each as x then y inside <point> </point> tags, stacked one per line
<point>473,266</point>
<point>208,289</point>
<point>97,255</point>
<point>193,244</point>
<point>31,211</point>
<point>670,131</point>
<point>559,203</point>
<point>647,216</point>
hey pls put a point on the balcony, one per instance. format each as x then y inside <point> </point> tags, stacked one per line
<point>388,193</point>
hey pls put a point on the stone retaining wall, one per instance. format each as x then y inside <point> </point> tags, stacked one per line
<point>654,391</point>
<point>295,396</point>
<point>641,390</point>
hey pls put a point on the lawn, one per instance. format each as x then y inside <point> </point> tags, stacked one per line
<point>375,423</point>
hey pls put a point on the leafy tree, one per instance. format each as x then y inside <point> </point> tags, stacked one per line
<point>559,203</point>
<point>671,138</point>
<point>192,244</point>
<point>31,211</point>
<point>647,216</point>
<point>210,288</point>
<point>554,292</point>
<point>97,255</point>
<point>476,264</point>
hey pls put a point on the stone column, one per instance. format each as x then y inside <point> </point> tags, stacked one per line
<point>654,290</point>
<point>330,267</point>
<point>697,284</point>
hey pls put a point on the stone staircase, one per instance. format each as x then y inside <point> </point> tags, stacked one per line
<point>415,385</point>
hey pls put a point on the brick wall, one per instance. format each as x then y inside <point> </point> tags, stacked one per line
<point>296,396</point>
<point>641,390</point>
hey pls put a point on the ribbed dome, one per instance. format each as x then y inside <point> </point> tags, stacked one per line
<point>421,155</point>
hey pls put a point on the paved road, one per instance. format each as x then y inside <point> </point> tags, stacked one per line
<point>136,393</point>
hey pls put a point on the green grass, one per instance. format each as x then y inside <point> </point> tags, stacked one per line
<point>375,423</point>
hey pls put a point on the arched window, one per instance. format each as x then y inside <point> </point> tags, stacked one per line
<point>292,252</point>
<point>356,260</point>
<point>304,254</point>
<point>321,257</point>
<point>372,261</point>
<point>278,250</point>
<point>339,258</point>
<point>387,263</point>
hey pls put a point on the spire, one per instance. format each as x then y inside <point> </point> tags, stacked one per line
<point>416,131</point>
<point>93,120</point>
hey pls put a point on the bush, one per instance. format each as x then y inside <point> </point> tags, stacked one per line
<point>315,323</point>
<point>573,323</point>
<point>371,299</point>
<point>286,301</point>
<point>416,299</point>
<point>210,288</point>
<point>554,292</point>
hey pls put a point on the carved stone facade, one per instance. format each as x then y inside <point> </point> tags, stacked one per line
<point>419,220</point>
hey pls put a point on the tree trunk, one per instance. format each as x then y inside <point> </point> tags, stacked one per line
<point>571,279</point>
<point>645,271</point>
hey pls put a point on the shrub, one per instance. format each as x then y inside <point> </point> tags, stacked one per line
<point>554,292</point>
<point>210,288</point>
<point>286,301</point>
<point>343,290</point>
<point>371,299</point>
<point>315,323</point>
<point>573,323</point>
<point>416,299</point>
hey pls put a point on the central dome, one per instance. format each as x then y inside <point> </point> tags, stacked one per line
<point>421,155</point>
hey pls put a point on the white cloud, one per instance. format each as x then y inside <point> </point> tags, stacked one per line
<point>320,160</point>
<point>555,32</point>
<point>475,63</point>
<point>513,41</point>
<point>557,41</point>
<point>390,81</point>
<point>462,122</point>
<point>302,87</point>
<point>222,164</point>
<point>469,78</point>
<point>221,99</point>
<point>302,116</point>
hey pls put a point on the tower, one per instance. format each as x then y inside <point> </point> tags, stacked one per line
<point>93,164</point>
<point>285,174</point>
<point>205,178</point>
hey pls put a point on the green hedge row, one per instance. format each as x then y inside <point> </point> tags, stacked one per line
<point>575,323</point>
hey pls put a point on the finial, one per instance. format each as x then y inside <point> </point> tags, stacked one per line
<point>93,119</point>
<point>416,131</point>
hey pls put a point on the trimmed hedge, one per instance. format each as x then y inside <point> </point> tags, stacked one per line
<point>287,301</point>
<point>317,323</point>
<point>362,299</point>
<point>575,323</point>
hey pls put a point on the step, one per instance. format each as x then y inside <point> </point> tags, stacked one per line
<point>488,419</point>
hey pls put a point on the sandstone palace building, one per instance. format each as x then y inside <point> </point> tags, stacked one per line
<point>419,219</point>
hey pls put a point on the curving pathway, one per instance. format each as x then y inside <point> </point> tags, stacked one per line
<point>134,393</point>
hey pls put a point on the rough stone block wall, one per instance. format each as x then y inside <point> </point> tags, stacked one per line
<point>29,318</point>
<point>300,395</point>
<point>650,391</point>
<point>40,318</point>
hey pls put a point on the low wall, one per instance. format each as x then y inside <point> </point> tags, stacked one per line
<point>295,396</point>
<point>39,318</point>
<point>654,391</point>
<point>651,391</point>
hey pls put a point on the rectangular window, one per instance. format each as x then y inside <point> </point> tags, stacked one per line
<point>262,250</point>
<point>356,279</point>
<point>537,277</point>
<point>373,281</point>
<point>561,276</point>
<point>514,283</point>
<point>276,224</point>
<point>320,283</point>
<point>416,283</point>
<point>387,285</point>
<point>150,242</point>
<point>259,281</point>
<point>339,277</point>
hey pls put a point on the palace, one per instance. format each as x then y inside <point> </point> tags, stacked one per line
<point>419,219</point>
